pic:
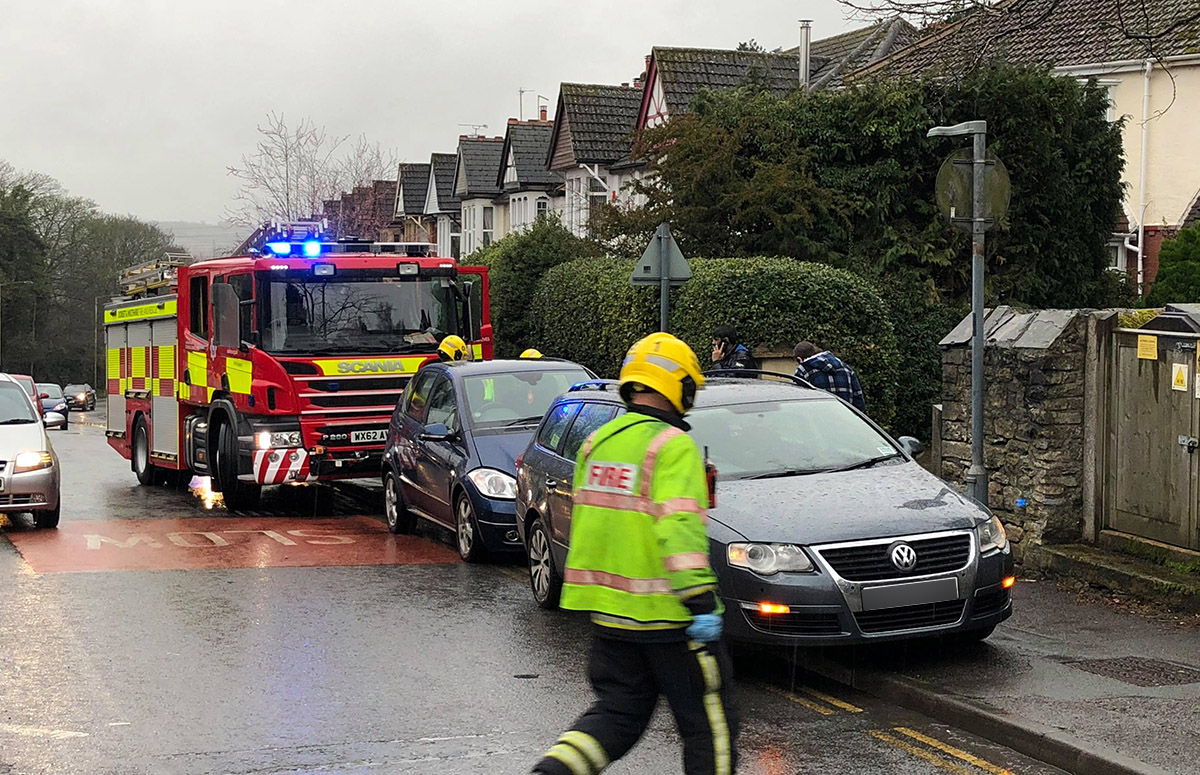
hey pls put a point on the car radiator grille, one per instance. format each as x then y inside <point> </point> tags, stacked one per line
<point>795,623</point>
<point>872,563</point>
<point>16,500</point>
<point>910,617</point>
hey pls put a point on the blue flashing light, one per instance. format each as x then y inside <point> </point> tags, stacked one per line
<point>280,248</point>
<point>1021,502</point>
<point>312,248</point>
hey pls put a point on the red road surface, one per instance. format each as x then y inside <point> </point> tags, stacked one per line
<point>181,544</point>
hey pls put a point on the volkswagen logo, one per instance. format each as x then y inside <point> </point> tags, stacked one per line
<point>904,557</point>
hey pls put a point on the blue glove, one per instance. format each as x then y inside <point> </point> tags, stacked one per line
<point>705,628</point>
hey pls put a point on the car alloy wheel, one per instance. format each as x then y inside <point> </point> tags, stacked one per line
<point>543,580</point>
<point>398,518</point>
<point>470,548</point>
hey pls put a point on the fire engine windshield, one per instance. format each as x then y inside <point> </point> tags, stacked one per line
<point>371,314</point>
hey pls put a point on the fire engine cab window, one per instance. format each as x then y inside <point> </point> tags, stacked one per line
<point>243,286</point>
<point>199,306</point>
<point>342,315</point>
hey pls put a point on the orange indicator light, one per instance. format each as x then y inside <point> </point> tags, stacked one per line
<point>774,608</point>
<point>1008,582</point>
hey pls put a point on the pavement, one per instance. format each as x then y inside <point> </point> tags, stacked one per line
<point>156,633</point>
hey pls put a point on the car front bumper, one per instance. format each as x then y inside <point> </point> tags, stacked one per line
<point>30,490</point>
<point>825,609</point>
<point>497,520</point>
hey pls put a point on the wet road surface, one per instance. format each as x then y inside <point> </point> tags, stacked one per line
<point>153,634</point>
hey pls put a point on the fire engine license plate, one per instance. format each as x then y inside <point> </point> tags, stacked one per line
<point>360,437</point>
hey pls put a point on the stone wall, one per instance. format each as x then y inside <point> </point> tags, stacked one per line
<point>1034,423</point>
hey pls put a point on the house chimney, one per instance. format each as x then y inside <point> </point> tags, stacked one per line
<point>805,51</point>
<point>542,113</point>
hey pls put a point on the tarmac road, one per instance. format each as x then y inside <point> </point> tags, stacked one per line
<point>155,633</point>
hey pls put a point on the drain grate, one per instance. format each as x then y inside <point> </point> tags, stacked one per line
<point>1139,671</point>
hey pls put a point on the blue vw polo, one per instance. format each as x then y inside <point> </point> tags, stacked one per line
<point>453,443</point>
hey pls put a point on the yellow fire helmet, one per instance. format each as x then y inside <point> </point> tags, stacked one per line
<point>666,365</point>
<point>531,353</point>
<point>452,348</point>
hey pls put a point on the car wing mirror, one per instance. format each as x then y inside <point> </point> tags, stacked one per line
<point>43,395</point>
<point>437,432</point>
<point>911,445</point>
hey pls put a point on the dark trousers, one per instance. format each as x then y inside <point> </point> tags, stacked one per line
<point>628,678</point>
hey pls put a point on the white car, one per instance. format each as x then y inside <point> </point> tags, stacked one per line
<point>29,472</point>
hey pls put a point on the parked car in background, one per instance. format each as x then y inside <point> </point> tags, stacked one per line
<point>29,476</point>
<point>80,396</point>
<point>825,530</point>
<point>453,442</point>
<point>26,382</point>
<point>53,400</point>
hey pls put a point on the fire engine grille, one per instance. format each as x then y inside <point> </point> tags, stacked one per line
<point>872,563</point>
<point>342,401</point>
<point>371,394</point>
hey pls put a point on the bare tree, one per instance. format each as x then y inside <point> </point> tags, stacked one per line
<point>294,169</point>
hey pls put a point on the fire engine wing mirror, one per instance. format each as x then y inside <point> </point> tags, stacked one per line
<point>468,323</point>
<point>225,307</point>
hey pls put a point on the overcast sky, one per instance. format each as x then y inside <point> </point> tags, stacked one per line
<point>142,104</point>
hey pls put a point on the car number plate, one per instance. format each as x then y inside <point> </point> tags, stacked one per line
<point>359,437</point>
<point>909,593</point>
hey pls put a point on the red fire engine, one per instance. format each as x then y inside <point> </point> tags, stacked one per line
<point>279,367</point>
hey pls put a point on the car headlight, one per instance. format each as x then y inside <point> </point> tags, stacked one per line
<point>991,535</point>
<point>273,439</point>
<point>80,397</point>
<point>494,484</point>
<point>32,461</point>
<point>769,559</point>
<point>60,406</point>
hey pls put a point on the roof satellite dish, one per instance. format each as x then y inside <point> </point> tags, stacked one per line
<point>955,194</point>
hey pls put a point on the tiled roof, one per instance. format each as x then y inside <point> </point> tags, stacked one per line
<point>530,143</point>
<point>1193,215</point>
<point>602,119</point>
<point>443,174</point>
<point>836,57</point>
<point>1059,33</point>
<point>479,158</point>
<point>414,180</point>
<point>685,72</point>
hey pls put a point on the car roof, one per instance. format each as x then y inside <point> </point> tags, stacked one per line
<point>721,391</point>
<point>507,366</point>
<point>9,377</point>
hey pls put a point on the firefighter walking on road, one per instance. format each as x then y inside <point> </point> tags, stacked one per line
<point>638,561</point>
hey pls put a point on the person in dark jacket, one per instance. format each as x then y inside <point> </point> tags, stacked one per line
<point>727,353</point>
<point>828,372</point>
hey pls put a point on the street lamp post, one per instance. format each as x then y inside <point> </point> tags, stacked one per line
<point>977,479</point>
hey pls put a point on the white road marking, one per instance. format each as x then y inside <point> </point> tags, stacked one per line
<point>54,734</point>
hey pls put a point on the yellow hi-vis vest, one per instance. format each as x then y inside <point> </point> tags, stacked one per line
<point>638,542</point>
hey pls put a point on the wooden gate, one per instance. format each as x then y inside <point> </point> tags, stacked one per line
<point>1153,462</point>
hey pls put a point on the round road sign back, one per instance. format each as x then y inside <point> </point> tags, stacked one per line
<point>955,193</point>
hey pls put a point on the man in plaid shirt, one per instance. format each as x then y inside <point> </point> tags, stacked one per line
<point>829,373</point>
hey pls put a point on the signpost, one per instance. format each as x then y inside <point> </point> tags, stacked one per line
<point>987,206</point>
<point>662,264</point>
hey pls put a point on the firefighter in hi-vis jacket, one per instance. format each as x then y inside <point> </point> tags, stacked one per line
<point>638,561</point>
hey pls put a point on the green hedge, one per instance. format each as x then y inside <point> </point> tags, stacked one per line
<point>588,312</point>
<point>515,265</point>
<point>775,302</point>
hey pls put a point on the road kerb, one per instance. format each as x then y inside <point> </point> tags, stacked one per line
<point>1035,740</point>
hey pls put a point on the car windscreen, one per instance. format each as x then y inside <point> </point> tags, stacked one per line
<point>53,391</point>
<point>15,408</point>
<point>73,389</point>
<point>354,314</point>
<point>786,438</point>
<point>515,398</point>
<point>30,388</point>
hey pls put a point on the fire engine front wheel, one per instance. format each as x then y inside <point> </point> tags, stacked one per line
<point>238,495</point>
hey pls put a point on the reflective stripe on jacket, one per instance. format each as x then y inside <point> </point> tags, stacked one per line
<point>638,542</point>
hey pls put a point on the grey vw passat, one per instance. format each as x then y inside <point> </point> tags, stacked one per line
<point>825,529</point>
